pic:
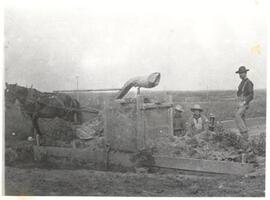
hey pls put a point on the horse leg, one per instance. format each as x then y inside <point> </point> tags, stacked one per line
<point>75,117</point>
<point>37,126</point>
<point>79,117</point>
<point>32,130</point>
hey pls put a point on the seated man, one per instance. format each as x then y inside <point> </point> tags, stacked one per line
<point>178,122</point>
<point>197,122</point>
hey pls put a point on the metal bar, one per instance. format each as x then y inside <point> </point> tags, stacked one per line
<point>210,166</point>
<point>90,90</point>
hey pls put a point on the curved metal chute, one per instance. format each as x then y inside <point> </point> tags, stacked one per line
<point>149,81</point>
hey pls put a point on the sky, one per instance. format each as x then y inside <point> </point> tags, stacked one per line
<point>194,44</point>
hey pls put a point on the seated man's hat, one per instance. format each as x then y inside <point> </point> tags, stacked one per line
<point>179,108</point>
<point>196,107</point>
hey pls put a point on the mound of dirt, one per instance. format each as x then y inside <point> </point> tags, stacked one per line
<point>90,129</point>
<point>258,144</point>
<point>220,145</point>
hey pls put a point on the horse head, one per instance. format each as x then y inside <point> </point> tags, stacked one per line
<point>15,92</point>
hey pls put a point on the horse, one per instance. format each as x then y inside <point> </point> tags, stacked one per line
<point>36,104</point>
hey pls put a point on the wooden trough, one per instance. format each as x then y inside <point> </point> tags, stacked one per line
<point>100,159</point>
<point>130,127</point>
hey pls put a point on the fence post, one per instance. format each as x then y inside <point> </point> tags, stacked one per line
<point>37,139</point>
<point>170,101</point>
<point>140,123</point>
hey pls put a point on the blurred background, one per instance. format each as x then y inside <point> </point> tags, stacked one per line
<point>196,45</point>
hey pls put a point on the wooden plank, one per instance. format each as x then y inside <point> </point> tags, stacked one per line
<point>209,166</point>
<point>250,122</point>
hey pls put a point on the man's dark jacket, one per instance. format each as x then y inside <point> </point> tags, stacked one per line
<point>245,89</point>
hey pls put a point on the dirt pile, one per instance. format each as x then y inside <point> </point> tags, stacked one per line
<point>220,145</point>
<point>90,129</point>
<point>258,144</point>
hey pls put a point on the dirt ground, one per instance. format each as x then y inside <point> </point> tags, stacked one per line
<point>30,178</point>
<point>36,181</point>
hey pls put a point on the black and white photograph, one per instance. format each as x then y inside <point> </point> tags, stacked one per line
<point>128,98</point>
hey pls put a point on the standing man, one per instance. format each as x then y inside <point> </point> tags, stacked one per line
<point>245,95</point>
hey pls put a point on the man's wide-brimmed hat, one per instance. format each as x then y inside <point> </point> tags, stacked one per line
<point>179,108</point>
<point>241,69</point>
<point>196,107</point>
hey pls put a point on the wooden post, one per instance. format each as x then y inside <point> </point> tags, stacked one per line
<point>105,117</point>
<point>73,143</point>
<point>37,139</point>
<point>170,101</point>
<point>140,124</point>
<point>107,157</point>
<point>138,90</point>
<point>75,118</point>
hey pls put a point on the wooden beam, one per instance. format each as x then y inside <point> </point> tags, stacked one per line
<point>146,107</point>
<point>210,166</point>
